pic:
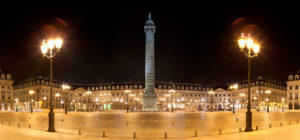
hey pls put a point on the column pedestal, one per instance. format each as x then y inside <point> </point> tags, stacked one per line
<point>150,104</point>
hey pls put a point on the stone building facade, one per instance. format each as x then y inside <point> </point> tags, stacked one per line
<point>6,88</point>
<point>293,91</point>
<point>118,96</point>
<point>105,96</point>
<point>263,94</point>
<point>41,96</point>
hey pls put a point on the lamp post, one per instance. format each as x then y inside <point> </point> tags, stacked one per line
<point>255,99</point>
<point>31,92</point>
<point>135,106</point>
<point>44,100</point>
<point>268,92</point>
<point>17,104</point>
<point>57,95</point>
<point>127,92</point>
<point>211,93</point>
<point>131,95</point>
<point>250,49</point>
<point>66,87</point>
<point>88,93</point>
<point>49,48</point>
<point>203,105</point>
<point>233,87</point>
<point>168,100</point>
<point>282,100</point>
<point>172,91</point>
<point>244,100</point>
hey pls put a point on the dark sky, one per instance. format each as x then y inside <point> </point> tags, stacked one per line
<point>194,42</point>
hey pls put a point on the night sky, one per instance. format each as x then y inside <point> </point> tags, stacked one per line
<point>194,42</point>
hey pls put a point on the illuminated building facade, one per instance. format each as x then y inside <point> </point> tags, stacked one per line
<point>182,96</point>
<point>293,91</point>
<point>6,88</point>
<point>264,94</point>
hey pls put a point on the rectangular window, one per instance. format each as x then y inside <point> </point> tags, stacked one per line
<point>291,87</point>
<point>296,87</point>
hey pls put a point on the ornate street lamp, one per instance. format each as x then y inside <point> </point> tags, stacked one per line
<point>251,49</point>
<point>44,100</point>
<point>131,96</point>
<point>172,91</point>
<point>203,105</point>
<point>57,95</point>
<point>211,93</point>
<point>88,93</point>
<point>268,92</point>
<point>49,48</point>
<point>243,99</point>
<point>255,99</point>
<point>233,87</point>
<point>282,100</point>
<point>31,92</point>
<point>127,92</point>
<point>17,104</point>
<point>66,87</point>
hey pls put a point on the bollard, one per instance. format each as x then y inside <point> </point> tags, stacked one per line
<point>166,135</point>
<point>127,122</point>
<point>270,125</point>
<point>297,121</point>
<point>1,122</point>
<point>256,127</point>
<point>172,123</point>
<point>79,132</point>
<point>196,133</point>
<point>220,131</point>
<point>280,123</point>
<point>19,124</point>
<point>134,135</point>
<point>290,122</point>
<point>240,130</point>
<point>62,119</point>
<point>37,118</point>
<point>103,134</point>
<point>8,123</point>
<point>29,126</point>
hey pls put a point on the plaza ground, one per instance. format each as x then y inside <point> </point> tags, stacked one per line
<point>121,125</point>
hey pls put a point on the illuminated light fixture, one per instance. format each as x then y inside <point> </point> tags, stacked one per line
<point>249,43</point>
<point>242,42</point>
<point>256,48</point>
<point>211,92</point>
<point>57,94</point>
<point>268,91</point>
<point>234,86</point>
<point>31,92</point>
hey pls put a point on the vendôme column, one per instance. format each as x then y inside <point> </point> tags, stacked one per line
<point>149,98</point>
